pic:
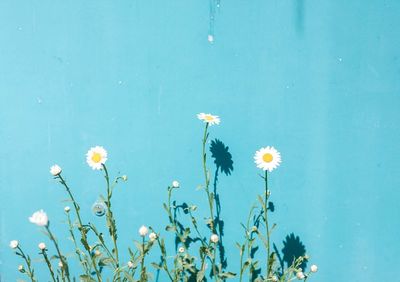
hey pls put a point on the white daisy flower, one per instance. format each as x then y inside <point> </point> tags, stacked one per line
<point>42,246</point>
<point>209,118</point>
<point>14,244</point>
<point>143,231</point>
<point>267,158</point>
<point>55,170</point>
<point>214,238</point>
<point>314,268</point>
<point>39,218</point>
<point>181,250</point>
<point>96,157</point>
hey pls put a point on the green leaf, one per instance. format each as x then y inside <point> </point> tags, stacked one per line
<point>227,275</point>
<point>156,266</point>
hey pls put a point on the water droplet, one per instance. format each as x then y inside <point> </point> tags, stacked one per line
<point>99,208</point>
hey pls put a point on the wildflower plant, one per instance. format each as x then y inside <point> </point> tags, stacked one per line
<point>197,255</point>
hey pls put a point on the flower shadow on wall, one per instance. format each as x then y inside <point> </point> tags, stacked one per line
<point>292,249</point>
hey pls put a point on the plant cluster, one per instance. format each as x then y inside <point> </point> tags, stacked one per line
<point>198,254</point>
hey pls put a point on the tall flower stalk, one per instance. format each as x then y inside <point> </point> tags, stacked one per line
<point>210,197</point>
<point>82,229</point>
<point>64,263</point>
<point>46,259</point>
<point>30,272</point>
<point>112,228</point>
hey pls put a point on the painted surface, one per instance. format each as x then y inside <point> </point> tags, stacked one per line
<point>319,80</point>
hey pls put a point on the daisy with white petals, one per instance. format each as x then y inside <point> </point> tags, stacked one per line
<point>267,158</point>
<point>39,218</point>
<point>209,118</point>
<point>96,157</point>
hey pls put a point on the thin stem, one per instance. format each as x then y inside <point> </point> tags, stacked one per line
<point>209,195</point>
<point>80,227</point>
<point>142,269</point>
<point>28,264</point>
<point>62,258</point>
<point>266,222</point>
<point>46,258</point>
<point>207,179</point>
<point>77,250</point>
<point>112,227</point>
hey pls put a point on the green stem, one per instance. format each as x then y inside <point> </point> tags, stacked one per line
<point>207,179</point>
<point>209,197</point>
<point>28,264</point>
<point>81,228</point>
<point>266,222</point>
<point>62,258</point>
<point>142,269</point>
<point>48,265</point>
<point>112,227</point>
<point>77,250</point>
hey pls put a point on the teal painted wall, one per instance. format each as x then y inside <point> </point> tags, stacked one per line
<point>319,80</point>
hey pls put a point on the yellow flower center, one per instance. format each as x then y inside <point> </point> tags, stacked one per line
<point>267,157</point>
<point>96,157</point>
<point>209,118</point>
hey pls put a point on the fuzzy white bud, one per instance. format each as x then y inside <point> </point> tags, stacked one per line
<point>314,268</point>
<point>14,244</point>
<point>21,268</point>
<point>143,231</point>
<point>152,236</point>
<point>214,238</point>
<point>175,184</point>
<point>55,170</point>
<point>60,264</point>
<point>67,209</point>
<point>300,275</point>
<point>124,178</point>
<point>130,264</point>
<point>42,246</point>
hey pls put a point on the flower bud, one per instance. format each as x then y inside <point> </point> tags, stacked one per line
<point>152,236</point>
<point>14,244</point>
<point>130,264</point>
<point>60,264</point>
<point>143,230</point>
<point>67,209</point>
<point>214,238</point>
<point>181,250</point>
<point>300,275</point>
<point>55,170</point>
<point>314,268</point>
<point>21,268</point>
<point>175,184</point>
<point>42,246</point>
<point>124,178</point>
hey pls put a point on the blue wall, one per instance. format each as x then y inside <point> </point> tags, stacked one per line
<point>319,80</point>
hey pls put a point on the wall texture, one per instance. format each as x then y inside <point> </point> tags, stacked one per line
<point>319,80</point>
